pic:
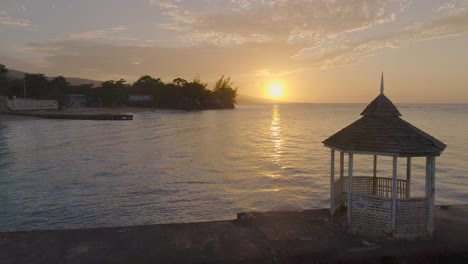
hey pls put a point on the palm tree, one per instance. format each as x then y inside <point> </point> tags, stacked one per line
<point>224,91</point>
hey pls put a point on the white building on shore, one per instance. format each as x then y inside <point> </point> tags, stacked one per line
<point>21,104</point>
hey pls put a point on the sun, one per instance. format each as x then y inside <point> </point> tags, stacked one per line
<point>275,90</point>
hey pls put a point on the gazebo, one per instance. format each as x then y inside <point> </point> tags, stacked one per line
<point>383,204</point>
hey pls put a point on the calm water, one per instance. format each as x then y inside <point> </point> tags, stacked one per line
<point>171,166</point>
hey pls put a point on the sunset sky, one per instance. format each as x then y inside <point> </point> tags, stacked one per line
<point>319,51</point>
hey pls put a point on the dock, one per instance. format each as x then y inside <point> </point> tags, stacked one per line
<point>309,236</point>
<point>73,116</point>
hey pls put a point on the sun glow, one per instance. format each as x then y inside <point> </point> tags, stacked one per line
<point>275,91</point>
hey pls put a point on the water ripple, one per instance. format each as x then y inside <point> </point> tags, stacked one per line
<point>177,166</point>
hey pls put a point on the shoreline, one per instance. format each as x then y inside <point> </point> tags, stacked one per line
<point>270,237</point>
<point>6,117</point>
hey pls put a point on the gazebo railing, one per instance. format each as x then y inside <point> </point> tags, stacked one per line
<point>361,184</point>
<point>378,186</point>
<point>384,187</point>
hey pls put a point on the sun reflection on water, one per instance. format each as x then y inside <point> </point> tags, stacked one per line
<point>271,190</point>
<point>276,138</point>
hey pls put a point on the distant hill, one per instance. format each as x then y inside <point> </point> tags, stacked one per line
<point>80,81</point>
<point>14,74</point>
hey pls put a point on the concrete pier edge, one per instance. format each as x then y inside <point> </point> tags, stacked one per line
<point>257,237</point>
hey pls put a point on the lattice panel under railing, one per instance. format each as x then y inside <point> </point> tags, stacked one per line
<point>360,184</point>
<point>412,217</point>
<point>370,213</point>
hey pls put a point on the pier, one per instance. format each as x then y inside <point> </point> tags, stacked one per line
<point>271,237</point>
<point>73,116</point>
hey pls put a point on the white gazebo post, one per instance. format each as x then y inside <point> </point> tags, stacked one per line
<point>341,176</point>
<point>374,179</point>
<point>350,184</point>
<point>432,204</point>
<point>332,183</point>
<point>408,177</point>
<point>394,194</point>
<point>341,164</point>
<point>430,191</point>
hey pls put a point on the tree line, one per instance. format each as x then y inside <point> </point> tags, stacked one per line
<point>178,94</point>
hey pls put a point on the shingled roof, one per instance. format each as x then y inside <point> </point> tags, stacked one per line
<point>382,131</point>
<point>381,106</point>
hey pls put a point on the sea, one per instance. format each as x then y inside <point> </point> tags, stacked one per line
<point>170,166</point>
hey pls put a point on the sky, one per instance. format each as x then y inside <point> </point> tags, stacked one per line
<point>322,51</point>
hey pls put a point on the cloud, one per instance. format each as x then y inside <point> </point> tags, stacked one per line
<point>71,57</point>
<point>452,7</point>
<point>262,56</point>
<point>164,4</point>
<point>242,4</point>
<point>266,38</point>
<point>7,20</point>
<point>352,51</point>
<point>282,20</point>
<point>114,33</point>
<point>222,39</point>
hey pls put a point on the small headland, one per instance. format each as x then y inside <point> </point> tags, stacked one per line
<point>308,236</point>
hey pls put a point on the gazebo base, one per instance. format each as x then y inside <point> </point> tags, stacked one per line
<point>341,218</point>
<point>372,205</point>
<point>359,232</point>
<point>373,214</point>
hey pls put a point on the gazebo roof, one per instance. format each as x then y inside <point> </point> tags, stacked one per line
<point>382,131</point>
<point>381,106</point>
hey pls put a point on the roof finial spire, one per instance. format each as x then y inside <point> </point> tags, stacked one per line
<point>381,85</point>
